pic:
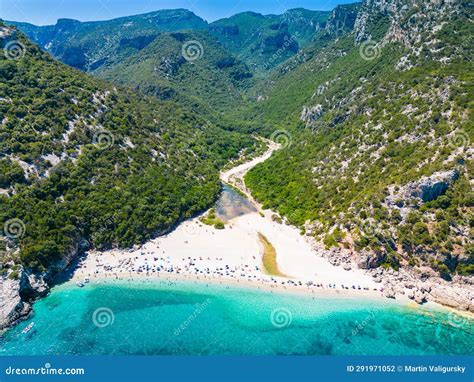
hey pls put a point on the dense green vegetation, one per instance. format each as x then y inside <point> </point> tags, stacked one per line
<point>260,41</point>
<point>164,69</point>
<point>370,131</point>
<point>91,45</point>
<point>129,167</point>
<point>211,219</point>
<point>145,52</point>
<point>264,42</point>
<point>367,112</point>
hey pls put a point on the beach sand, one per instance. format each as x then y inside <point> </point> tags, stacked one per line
<point>194,251</point>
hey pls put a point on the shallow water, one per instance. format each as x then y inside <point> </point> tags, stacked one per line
<point>184,318</point>
<point>231,205</point>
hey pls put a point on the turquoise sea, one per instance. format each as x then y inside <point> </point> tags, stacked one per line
<point>187,318</point>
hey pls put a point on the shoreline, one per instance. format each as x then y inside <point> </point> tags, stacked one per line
<point>256,287</point>
<point>233,258</point>
<point>101,267</point>
<point>252,285</point>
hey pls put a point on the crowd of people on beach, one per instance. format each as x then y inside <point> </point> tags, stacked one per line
<point>150,266</point>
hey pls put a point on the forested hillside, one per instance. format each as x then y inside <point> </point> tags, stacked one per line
<point>265,41</point>
<point>260,41</point>
<point>90,45</point>
<point>378,130</point>
<point>174,54</point>
<point>84,163</point>
<point>190,67</point>
<point>372,104</point>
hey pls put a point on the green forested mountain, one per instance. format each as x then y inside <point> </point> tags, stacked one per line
<point>263,42</point>
<point>90,45</point>
<point>372,103</point>
<point>145,52</point>
<point>184,65</point>
<point>378,131</point>
<point>85,161</point>
<point>339,23</point>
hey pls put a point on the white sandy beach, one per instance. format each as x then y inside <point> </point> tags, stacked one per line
<point>196,251</point>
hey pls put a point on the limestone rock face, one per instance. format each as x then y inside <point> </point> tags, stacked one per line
<point>419,297</point>
<point>33,286</point>
<point>429,188</point>
<point>368,260</point>
<point>424,16</point>
<point>425,189</point>
<point>16,295</point>
<point>12,306</point>
<point>461,297</point>
<point>311,114</point>
<point>389,292</point>
<point>423,284</point>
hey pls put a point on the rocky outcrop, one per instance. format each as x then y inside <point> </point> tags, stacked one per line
<point>404,22</point>
<point>5,31</point>
<point>368,260</point>
<point>19,292</point>
<point>423,284</point>
<point>411,19</point>
<point>424,190</point>
<point>225,30</point>
<point>138,42</point>
<point>311,114</point>
<point>429,188</point>
<point>13,307</point>
<point>342,19</point>
<point>17,296</point>
<point>461,296</point>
